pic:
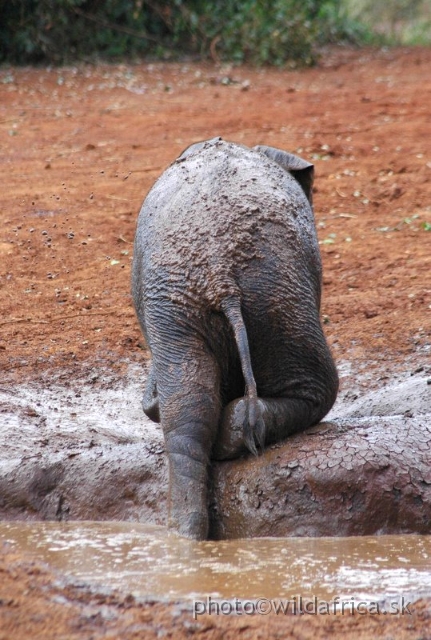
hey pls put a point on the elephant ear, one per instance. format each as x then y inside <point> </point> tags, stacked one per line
<point>300,169</point>
<point>197,146</point>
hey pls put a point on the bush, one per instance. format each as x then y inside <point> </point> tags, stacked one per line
<point>240,30</point>
<point>395,22</point>
<point>59,31</point>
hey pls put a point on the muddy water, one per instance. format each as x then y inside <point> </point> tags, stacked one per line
<point>148,561</point>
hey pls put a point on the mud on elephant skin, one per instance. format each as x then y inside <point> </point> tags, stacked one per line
<point>226,284</point>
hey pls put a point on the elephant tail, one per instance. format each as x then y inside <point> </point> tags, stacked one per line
<point>253,423</point>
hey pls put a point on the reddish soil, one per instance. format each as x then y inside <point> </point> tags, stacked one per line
<point>80,149</point>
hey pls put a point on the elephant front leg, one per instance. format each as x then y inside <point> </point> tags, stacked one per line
<point>281,418</point>
<point>150,400</point>
<point>188,388</point>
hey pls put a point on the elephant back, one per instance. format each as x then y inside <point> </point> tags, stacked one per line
<point>218,209</point>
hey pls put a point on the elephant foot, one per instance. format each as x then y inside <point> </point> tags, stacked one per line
<point>188,491</point>
<point>275,420</point>
<point>151,409</point>
<point>238,433</point>
<point>192,525</point>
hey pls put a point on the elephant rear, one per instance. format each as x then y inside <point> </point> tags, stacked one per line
<point>227,271</point>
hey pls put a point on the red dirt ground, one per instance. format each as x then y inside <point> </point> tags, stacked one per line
<point>80,149</point>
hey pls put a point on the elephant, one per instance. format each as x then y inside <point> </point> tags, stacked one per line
<point>226,284</point>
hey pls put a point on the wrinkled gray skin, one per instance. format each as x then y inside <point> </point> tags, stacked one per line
<point>226,286</point>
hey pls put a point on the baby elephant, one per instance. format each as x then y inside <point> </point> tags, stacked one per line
<point>226,285</point>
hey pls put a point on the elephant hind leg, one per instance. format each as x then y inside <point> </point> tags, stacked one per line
<point>189,410</point>
<point>281,417</point>
<point>189,436</point>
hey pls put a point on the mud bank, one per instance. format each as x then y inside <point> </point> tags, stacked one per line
<point>91,454</point>
<point>84,452</point>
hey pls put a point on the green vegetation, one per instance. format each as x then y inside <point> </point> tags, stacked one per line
<point>255,31</point>
<point>392,22</point>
